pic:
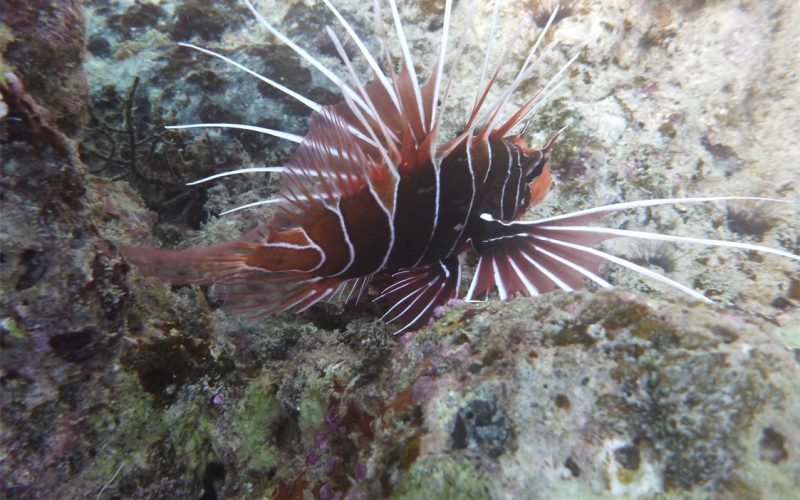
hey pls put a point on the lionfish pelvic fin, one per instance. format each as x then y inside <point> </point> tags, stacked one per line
<point>414,294</point>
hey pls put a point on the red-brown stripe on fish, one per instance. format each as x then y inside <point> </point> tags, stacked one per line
<point>373,189</point>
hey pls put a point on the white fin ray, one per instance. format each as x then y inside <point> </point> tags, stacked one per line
<point>389,164</point>
<point>474,284</point>
<point>316,107</point>
<point>254,204</point>
<point>380,30</point>
<point>360,284</point>
<point>525,73</point>
<point>498,105</point>
<point>252,170</point>
<point>669,237</point>
<point>629,265</point>
<point>649,203</point>
<point>408,61</point>
<point>390,138</point>
<point>305,55</point>
<point>271,201</point>
<point>415,294</point>
<point>539,101</point>
<point>489,43</point>
<point>354,285</point>
<point>482,95</point>
<point>457,55</point>
<point>396,287</point>
<point>585,272</point>
<point>543,95</point>
<point>529,287</point>
<point>448,7</point>
<point>317,299</point>
<point>308,102</point>
<point>521,74</point>
<point>551,276</point>
<point>424,311</point>
<point>498,281</point>
<point>345,291</point>
<point>485,92</point>
<point>252,128</point>
<point>370,59</point>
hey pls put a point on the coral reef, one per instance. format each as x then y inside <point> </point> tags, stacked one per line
<point>43,42</point>
<point>118,386</point>
<point>606,394</point>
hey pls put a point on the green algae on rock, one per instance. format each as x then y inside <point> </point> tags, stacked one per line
<point>442,477</point>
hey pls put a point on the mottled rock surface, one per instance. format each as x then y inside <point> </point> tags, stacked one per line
<point>605,394</point>
<point>44,41</point>
<point>114,385</point>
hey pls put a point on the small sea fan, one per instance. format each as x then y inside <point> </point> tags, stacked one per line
<point>541,10</point>
<point>750,218</point>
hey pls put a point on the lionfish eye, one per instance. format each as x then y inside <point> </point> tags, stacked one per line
<point>533,165</point>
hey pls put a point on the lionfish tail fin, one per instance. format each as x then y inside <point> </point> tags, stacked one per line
<point>242,288</point>
<point>201,266</point>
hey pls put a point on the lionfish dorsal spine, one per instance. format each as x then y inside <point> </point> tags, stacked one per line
<point>380,75</point>
<point>313,106</point>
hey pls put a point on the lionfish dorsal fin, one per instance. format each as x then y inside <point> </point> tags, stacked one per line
<point>394,136</point>
<point>394,110</point>
<point>329,163</point>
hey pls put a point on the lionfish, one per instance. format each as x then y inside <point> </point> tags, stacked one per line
<point>373,189</point>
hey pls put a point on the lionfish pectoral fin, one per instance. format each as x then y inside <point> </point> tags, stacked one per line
<point>534,259</point>
<point>515,262</point>
<point>517,255</point>
<point>414,294</point>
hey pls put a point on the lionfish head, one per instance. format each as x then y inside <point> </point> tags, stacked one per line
<point>531,161</point>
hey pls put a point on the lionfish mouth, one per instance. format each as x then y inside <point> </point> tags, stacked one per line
<point>366,147</point>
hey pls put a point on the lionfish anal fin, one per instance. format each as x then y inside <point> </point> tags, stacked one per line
<point>257,295</point>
